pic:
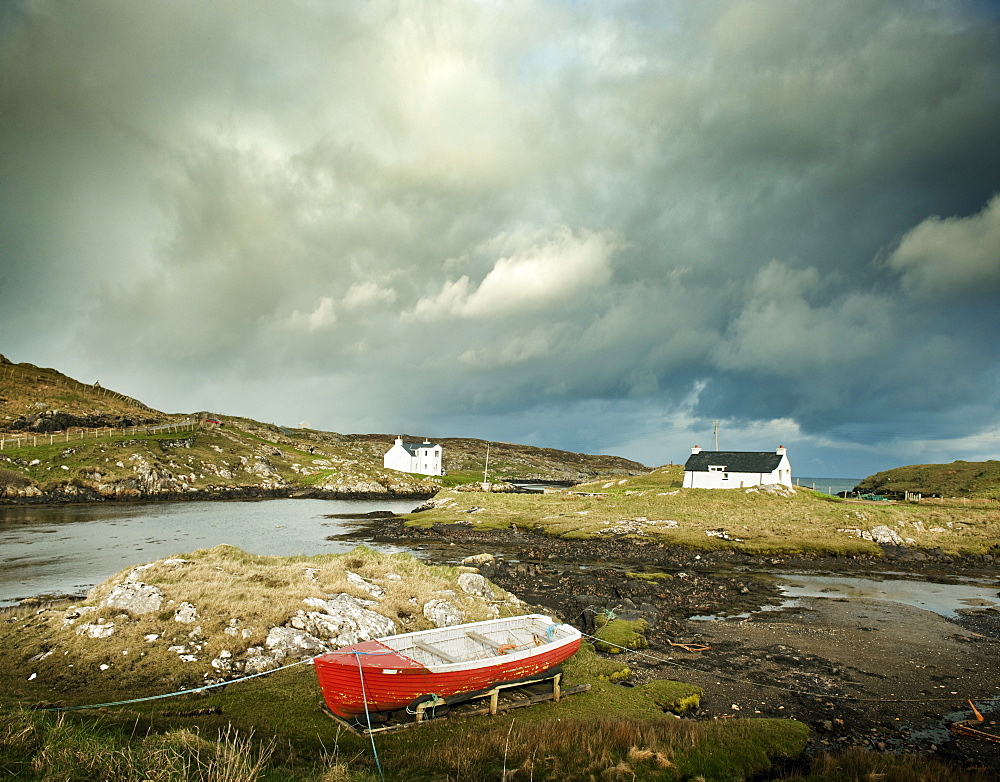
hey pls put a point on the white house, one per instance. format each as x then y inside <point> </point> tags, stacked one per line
<point>736,469</point>
<point>423,458</point>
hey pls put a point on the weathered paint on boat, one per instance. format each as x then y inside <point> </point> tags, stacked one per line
<point>392,673</point>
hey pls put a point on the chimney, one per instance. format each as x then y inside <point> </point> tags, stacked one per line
<point>780,450</point>
<point>696,449</point>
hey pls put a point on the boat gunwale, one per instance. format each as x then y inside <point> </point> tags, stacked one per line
<point>371,660</point>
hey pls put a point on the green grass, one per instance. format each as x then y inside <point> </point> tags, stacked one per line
<point>648,506</point>
<point>974,480</point>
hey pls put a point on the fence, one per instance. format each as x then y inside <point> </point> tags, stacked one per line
<point>76,434</point>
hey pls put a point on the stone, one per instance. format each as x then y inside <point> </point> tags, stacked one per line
<point>475,584</point>
<point>256,660</point>
<point>186,613</point>
<point>135,597</point>
<point>96,630</point>
<point>883,535</point>
<point>443,613</point>
<point>342,620</point>
<point>365,585</point>
<point>478,560</point>
<point>285,642</point>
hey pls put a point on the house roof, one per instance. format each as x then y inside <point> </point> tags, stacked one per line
<point>734,461</point>
<point>411,448</point>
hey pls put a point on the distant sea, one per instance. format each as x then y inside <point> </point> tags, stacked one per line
<point>826,485</point>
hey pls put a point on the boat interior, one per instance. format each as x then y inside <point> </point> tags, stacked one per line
<point>460,644</point>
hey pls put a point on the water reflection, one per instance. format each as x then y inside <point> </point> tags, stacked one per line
<point>70,549</point>
<point>944,599</point>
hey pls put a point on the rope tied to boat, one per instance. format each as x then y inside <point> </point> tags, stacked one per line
<point>368,718</point>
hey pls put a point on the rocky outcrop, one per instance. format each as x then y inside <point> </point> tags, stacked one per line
<point>150,603</point>
<point>48,421</point>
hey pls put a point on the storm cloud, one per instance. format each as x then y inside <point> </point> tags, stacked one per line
<point>568,224</point>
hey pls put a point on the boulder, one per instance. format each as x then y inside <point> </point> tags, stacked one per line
<point>256,660</point>
<point>479,560</point>
<point>341,621</point>
<point>443,613</point>
<point>883,536</point>
<point>135,597</point>
<point>477,585</point>
<point>365,585</point>
<point>291,642</point>
<point>186,613</point>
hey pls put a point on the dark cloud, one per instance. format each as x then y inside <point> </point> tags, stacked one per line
<point>546,222</point>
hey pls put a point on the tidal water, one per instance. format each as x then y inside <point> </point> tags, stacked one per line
<point>946,599</point>
<point>827,485</point>
<point>55,550</point>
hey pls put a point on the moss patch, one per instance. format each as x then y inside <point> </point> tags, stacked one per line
<point>619,635</point>
<point>675,697</point>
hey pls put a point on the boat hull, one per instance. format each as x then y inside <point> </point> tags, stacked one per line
<point>372,676</point>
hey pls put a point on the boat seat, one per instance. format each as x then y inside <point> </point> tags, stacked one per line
<point>495,645</point>
<point>426,647</point>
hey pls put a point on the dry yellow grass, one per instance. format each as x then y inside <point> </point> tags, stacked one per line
<point>237,598</point>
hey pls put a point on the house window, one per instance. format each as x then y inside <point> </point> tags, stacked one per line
<point>716,468</point>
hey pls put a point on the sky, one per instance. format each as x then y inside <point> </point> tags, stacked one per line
<point>594,226</point>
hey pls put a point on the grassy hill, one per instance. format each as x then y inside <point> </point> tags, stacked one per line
<point>958,479</point>
<point>65,440</point>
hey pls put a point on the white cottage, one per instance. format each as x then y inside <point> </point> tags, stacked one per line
<point>420,458</point>
<point>736,469</point>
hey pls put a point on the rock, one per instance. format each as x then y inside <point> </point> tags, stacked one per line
<point>478,560</point>
<point>96,630</point>
<point>883,535</point>
<point>291,642</point>
<point>341,621</point>
<point>475,584</point>
<point>776,489</point>
<point>186,613</point>
<point>366,586</point>
<point>256,660</point>
<point>443,613</point>
<point>135,597</point>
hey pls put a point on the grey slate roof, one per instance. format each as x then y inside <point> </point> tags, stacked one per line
<point>734,461</point>
<point>411,448</point>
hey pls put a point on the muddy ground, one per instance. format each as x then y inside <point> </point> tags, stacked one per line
<point>884,676</point>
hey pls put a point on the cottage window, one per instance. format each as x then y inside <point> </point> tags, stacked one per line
<point>716,468</point>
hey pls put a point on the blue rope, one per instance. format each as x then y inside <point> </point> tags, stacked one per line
<point>368,719</point>
<point>178,692</point>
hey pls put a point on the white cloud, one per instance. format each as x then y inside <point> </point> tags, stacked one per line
<point>547,273</point>
<point>367,294</point>
<point>321,316</point>
<point>954,255</point>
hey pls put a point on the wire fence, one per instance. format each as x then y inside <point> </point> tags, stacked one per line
<point>76,434</point>
<point>31,375</point>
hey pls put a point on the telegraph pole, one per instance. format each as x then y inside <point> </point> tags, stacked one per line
<point>486,484</point>
<point>716,426</point>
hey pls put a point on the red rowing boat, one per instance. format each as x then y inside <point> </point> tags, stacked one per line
<point>399,671</point>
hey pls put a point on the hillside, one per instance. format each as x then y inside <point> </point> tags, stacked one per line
<point>62,440</point>
<point>958,479</point>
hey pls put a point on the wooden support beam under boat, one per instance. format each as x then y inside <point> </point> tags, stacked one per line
<point>494,707</point>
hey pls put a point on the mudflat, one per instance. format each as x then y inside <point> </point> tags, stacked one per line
<point>881,675</point>
<point>859,672</point>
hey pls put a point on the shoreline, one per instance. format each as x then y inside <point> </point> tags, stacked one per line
<point>860,673</point>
